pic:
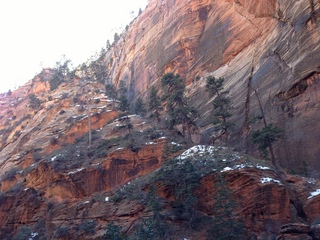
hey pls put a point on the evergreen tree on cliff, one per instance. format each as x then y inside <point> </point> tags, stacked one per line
<point>221,107</point>
<point>154,104</point>
<point>178,109</point>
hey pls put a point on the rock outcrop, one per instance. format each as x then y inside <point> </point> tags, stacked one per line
<point>67,200</point>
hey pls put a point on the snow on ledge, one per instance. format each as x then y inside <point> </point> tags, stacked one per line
<point>313,194</point>
<point>268,179</point>
<point>73,172</point>
<point>262,167</point>
<point>199,150</point>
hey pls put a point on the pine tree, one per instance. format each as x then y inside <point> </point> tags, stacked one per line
<point>178,109</point>
<point>122,91</point>
<point>221,107</point>
<point>139,107</point>
<point>266,136</point>
<point>116,37</point>
<point>108,45</point>
<point>111,93</point>
<point>154,104</point>
<point>59,75</point>
<point>34,102</point>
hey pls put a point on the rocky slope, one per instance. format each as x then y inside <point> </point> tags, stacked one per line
<point>79,204</point>
<point>268,46</point>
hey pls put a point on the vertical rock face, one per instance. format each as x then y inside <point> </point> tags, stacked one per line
<point>278,41</point>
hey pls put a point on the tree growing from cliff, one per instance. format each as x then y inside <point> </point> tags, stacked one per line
<point>122,91</point>
<point>178,109</point>
<point>221,107</point>
<point>116,37</point>
<point>111,93</point>
<point>139,107</point>
<point>154,104</point>
<point>266,136</point>
<point>60,72</point>
<point>98,68</point>
<point>34,102</point>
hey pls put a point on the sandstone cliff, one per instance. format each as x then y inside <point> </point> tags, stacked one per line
<point>268,46</point>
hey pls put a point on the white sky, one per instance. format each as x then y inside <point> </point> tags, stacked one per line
<point>36,33</point>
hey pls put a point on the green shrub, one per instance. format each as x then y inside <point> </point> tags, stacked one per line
<point>113,232</point>
<point>54,141</point>
<point>63,232</point>
<point>24,233</point>
<point>34,102</point>
<point>88,227</point>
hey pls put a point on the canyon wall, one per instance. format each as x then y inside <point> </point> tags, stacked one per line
<point>271,47</point>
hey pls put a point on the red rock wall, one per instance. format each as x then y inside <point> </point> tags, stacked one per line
<point>277,39</point>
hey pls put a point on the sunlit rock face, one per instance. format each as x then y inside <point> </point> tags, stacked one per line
<point>274,42</point>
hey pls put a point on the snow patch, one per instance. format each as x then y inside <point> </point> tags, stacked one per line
<point>55,157</point>
<point>150,143</point>
<point>311,181</point>
<point>268,179</point>
<point>33,235</point>
<point>73,172</point>
<point>199,150</point>
<point>107,199</point>
<point>313,194</point>
<point>262,167</point>
<point>226,169</point>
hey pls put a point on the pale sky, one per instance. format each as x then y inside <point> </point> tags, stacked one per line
<point>37,33</point>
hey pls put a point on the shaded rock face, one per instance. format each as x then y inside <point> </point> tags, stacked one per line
<point>275,40</point>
